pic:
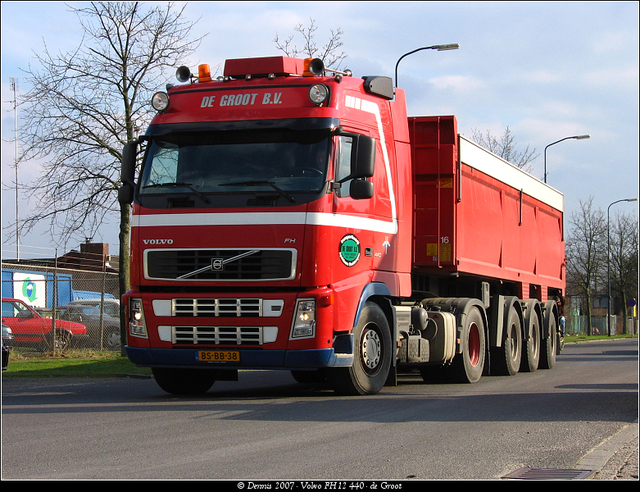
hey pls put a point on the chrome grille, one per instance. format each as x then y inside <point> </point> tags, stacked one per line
<point>217,307</point>
<point>220,264</point>
<point>217,335</point>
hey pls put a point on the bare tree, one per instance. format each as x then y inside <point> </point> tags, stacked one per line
<point>505,147</point>
<point>586,255</point>
<point>623,264</point>
<point>84,105</point>
<point>330,53</point>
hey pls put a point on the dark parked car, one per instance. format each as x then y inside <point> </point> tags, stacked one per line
<point>30,329</point>
<point>103,331</point>
<point>7,343</point>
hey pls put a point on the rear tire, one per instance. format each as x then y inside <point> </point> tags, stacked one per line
<point>533,339</point>
<point>184,381</point>
<point>508,356</point>
<point>467,367</point>
<point>371,358</point>
<point>549,347</point>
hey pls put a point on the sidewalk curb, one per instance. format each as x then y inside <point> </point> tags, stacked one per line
<point>598,457</point>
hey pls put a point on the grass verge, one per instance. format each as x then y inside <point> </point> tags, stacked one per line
<point>585,338</point>
<point>75,363</point>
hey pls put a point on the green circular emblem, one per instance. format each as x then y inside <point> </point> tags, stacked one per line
<point>349,250</point>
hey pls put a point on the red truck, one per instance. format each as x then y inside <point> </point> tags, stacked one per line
<point>287,216</point>
<point>30,329</point>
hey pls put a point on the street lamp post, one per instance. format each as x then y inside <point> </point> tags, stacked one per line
<point>609,263</point>
<point>575,137</point>
<point>438,47</point>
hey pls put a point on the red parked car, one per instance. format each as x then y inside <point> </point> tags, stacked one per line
<point>31,329</point>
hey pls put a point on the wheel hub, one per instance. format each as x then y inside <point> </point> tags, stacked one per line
<point>371,349</point>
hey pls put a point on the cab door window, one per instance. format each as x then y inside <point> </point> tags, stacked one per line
<point>343,163</point>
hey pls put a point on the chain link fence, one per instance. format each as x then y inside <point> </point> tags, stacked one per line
<point>56,309</point>
<point>578,325</point>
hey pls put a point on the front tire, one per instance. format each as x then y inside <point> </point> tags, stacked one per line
<point>372,356</point>
<point>309,377</point>
<point>184,381</point>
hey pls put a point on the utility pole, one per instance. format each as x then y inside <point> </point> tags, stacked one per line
<point>14,88</point>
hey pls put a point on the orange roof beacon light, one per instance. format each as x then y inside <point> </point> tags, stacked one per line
<point>204,73</point>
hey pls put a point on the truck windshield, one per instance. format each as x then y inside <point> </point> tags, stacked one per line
<point>275,165</point>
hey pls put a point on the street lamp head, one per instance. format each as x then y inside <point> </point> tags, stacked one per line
<point>574,137</point>
<point>439,47</point>
<point>446,47</point>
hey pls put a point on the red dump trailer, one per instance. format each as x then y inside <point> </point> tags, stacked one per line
<point>480,215</point>
<point>286,216</point>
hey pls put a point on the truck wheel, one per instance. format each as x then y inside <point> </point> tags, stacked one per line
<point>549,346</point>
<point>509,355</point>
<point>309,377</point>
<point>184,381</point>
<point>467,366</point>
<point>371,358</point>
<point>531,343</point>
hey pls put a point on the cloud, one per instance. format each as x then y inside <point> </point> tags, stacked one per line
<point>543,76</point>
<point>623,77</point>
<point>459,83</point>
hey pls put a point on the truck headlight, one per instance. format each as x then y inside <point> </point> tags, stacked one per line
<point>318,93</point>
<point>160,101</point>
<point>304,321</point>
<point>137,326</point>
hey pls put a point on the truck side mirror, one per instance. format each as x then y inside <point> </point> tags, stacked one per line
<point>127,172</point>
<point>125,193</point>
<point>363,160</point>
<point>361,189</point>
<point>362,167</point>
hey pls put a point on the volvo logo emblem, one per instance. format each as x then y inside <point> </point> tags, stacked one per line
<point>217,263</point>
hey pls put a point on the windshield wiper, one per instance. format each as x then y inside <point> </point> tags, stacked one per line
<point>261,182</point>
<point>180,183</point>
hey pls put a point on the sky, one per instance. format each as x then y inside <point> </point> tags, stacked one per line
<point>547,70</point>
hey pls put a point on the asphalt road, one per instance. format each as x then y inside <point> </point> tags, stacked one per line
<point>268,427</point>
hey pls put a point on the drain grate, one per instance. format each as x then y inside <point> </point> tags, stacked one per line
<point>527,473</point>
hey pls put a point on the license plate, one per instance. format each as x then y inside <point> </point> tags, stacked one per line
<point>218,356</point>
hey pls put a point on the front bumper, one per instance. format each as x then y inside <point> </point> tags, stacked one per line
<point>250,359</point>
